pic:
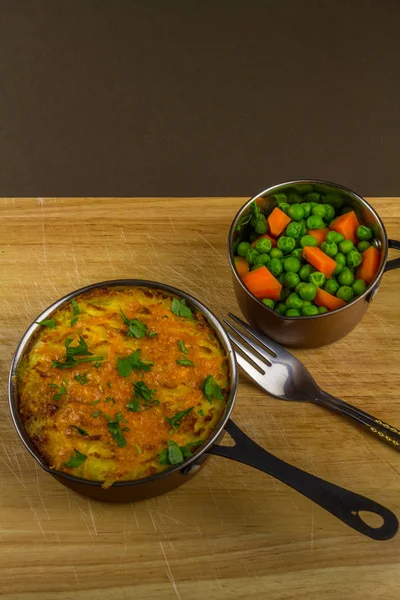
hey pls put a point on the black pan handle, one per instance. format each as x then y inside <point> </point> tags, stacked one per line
<point>395,262</point>
<point>342,503</point>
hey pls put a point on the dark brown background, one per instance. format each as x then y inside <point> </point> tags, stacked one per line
<point>160,98</point>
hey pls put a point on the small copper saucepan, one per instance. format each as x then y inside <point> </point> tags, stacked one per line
<point>318,330</point>
<point>345,505</point>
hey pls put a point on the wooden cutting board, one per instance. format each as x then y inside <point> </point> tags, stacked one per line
<point>232,532</point>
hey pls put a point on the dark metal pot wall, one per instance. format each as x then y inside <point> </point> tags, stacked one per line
<point>311,332</point>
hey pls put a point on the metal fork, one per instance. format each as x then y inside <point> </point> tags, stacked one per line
<point>281,374</point>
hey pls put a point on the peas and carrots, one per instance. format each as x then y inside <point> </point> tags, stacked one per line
<point>309,256</point>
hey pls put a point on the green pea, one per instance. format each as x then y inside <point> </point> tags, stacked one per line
<point>293,230</point>
<point>251,255</point>
<point>307,209</point>
<point>330,248</point>
<point>286,244</point>
<point>346,277</point>
<point>280,278</point>
<point>312,197</point>
<point>263,245</point>
<point>299,286</point>
<point>340,259</point>
<point>308,240</point>
<point>281,308</point>
<point>262,260</point>
<point>308,291</point>
<point>333,237</point>
<point>291,264</point>
<point>261,225</point>
<point>296,212</point>
<point>293,301</point>
<point>280,197</point>
<point>346,246</point>
<point>331,286</point>
<point>242,247</point>
<point>345,293</point>
<point>305,272</point>
<point>275,267</point>
<point>339,269</point>
<point>290,280</point>
<point>276,253</point>
<point>285,293</point>
<point>362,246</point>
<point>334,200</point>
<point>319,211</point>
<point>297,253</point>
<point>309,311</point>
<point>359,286</point>
<point>284,207</point>
<point>322,310</point>
<point>303,227</point>
<point>353,259</point>
<point>315,222</point>
<point>305,302</point>
<point>294,198</point>
<point>268,302</point>
<point>293,312</point>
<point>317,278</point>
<point>329,212</point>
<point>312,204</point>
<point>364,233</point>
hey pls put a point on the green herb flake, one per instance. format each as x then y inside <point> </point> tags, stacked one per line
<point>75,311</point>
<point>184,362</point>
<point>50,323</point>
<point>72,351</point>
<point>94,402</point>
<point>62,389</point>
<point>132,362</point>
<point>182,347</point>
<point>80,430</point>
<point>81,378</point>
<point>76,460</point>
<point>98,364</point>
<point>142,391</point>
<point>173,454</point>
<point>176,419</point>
<point>138,448</point>
<point>211,389</point>
<point>179,308</point>
<point>108,384</point>
<point>136,328</point>
<point>200,413</point>
<point>109,399</point>
<point>152,334</point>
<point>133,406</point>
<point>116,433</point>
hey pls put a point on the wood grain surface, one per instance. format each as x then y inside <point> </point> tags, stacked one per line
<point>231,532</point>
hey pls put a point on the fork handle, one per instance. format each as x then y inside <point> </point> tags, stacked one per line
<point>341,503</point>
<point>385,432</point>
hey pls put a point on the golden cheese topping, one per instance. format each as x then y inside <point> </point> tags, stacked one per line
<point>121,384</point>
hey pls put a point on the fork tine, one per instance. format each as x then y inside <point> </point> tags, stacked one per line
<point>248,354</point>
<point>253,344</point>
<point>264,340</point>
<point>249,369</point>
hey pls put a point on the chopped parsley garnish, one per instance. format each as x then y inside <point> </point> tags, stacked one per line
<point>138,448</point>
<point>151,334</point>
<point>50,323</point>
<point>211,389</point>
<point>176,419</point>
<point>108,384</point>
<point>97,413</point>
<point>144,398</point>
<point>116,433</point>
<point>80,430</point>
<point>174,454</point>
<point>76,311</point>
<point>109,399</point>
<point>136,328</point>
<point>76,460</point>
<point>252,215</point>
<point>200,413</point>
<point>184,362</point>
<point>180,309</point>
<point>81,378</point>
<point>132,362</point>
<point>62,389</point>
<point>72,351</point>
<point>94,402</point>
<point>182,347</point>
